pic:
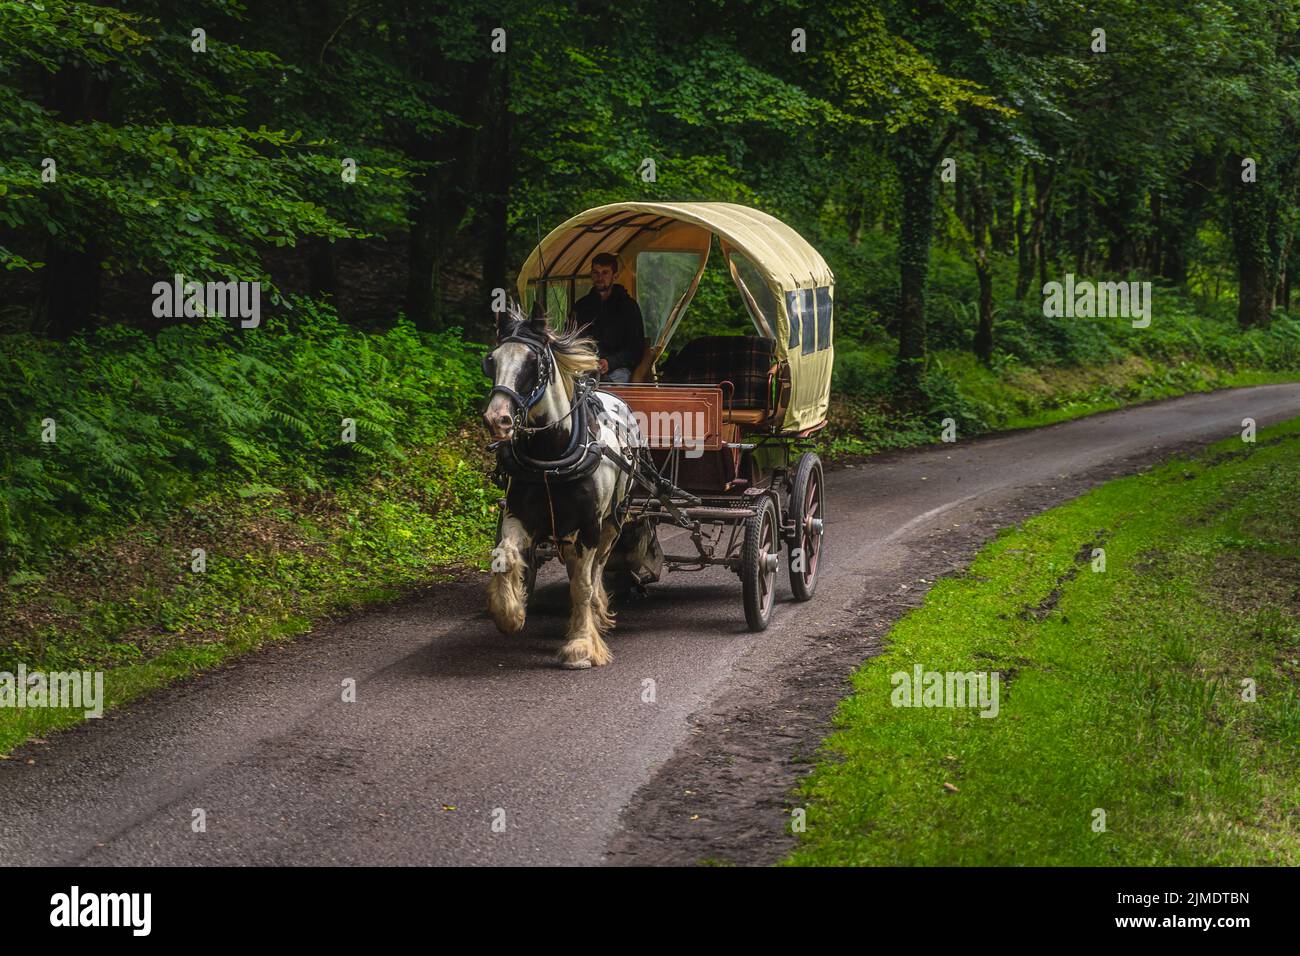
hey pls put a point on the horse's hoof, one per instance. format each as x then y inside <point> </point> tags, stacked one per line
<point>581,665</point>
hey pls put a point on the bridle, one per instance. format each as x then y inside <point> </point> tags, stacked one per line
<point>545,371</point>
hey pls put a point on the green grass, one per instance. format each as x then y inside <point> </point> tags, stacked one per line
<point>1123,687</point>
<point>1011,396</point>
<point>1069,408</point>
<point>130,605</point>
<point>1015,396</point>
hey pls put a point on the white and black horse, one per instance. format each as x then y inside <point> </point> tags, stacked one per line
<point>554,435</point>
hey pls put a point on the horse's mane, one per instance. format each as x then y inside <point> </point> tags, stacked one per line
<point>574,351</point>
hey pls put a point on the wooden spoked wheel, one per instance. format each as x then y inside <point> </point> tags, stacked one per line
<point>807,509</point>
<point>760,559</point>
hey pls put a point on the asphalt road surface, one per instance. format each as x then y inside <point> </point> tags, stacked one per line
<point>468,747</point>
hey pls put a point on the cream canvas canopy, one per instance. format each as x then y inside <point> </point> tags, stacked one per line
<point>785,283</point>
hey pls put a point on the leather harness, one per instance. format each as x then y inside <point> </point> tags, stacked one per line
<point>584,451</point>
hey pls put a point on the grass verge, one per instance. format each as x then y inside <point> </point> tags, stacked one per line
<point>276,562</point>
<point>1121,689</point>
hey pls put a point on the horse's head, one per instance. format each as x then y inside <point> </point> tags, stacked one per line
<point>521,367</point>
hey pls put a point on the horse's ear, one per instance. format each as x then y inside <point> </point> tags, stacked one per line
<point>537,317</point>
<point>506,325</point>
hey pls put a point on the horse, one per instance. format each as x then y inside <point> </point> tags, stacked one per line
<point>567,454</point>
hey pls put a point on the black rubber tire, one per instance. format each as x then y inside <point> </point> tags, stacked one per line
<point>758,585</point>
<point>807,501</point>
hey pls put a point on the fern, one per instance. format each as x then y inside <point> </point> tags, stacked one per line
<point>146,424</point>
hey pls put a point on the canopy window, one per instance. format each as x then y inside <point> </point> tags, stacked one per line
<point>755,292</point>
<point>667,279</point>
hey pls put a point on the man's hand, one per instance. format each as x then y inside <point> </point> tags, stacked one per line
<point>603,366</point>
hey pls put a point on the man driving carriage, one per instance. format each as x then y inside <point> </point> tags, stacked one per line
<point>613,319</point>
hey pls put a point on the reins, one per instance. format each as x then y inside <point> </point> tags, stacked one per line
<point>581,389</point>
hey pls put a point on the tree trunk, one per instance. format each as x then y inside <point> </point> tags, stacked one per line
<point>1249,210</point>
<point>1279,241</point>
<point>1079,237</point>
<point>1024,250</point>
<point>1002,231</point>
<point>1182,213</point>
<point>856,200</point>
<point>498,174</point>
<point>1254,293</point>
<point>424,267</point>
<point>979,204</point>
<point>1157,227</point>
<point>1286,282</point>
<point>1283,278</point>
<point>1117,216</point>
<point>322,268</point>
<point>1043,179</point>
<point>915,159</point>
<point>447,190</point>
<point>914,264</point>
<point>1173,265</point>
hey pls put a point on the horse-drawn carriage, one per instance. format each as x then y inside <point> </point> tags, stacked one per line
<point>714,440</point>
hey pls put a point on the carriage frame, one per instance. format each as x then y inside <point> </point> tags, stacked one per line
<point>730,420</point>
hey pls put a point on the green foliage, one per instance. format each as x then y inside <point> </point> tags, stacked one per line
<point>226,164</point>
<point>154,186</point>
<point>1051,369</point>
<point>145,424</point>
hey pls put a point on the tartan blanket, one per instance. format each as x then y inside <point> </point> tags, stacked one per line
<point>743,360</point>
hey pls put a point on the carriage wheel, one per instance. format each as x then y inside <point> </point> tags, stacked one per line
<point>759,561</point>
<point>807,508</point>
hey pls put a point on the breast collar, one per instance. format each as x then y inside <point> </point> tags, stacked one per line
<point>580,456</point>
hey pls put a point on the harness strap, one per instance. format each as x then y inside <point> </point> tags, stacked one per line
<point>550,505</point>
<point>577,460</point>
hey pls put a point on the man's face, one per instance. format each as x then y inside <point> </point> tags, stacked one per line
<point>602,278</point>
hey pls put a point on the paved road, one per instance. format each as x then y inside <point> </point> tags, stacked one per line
<point>457,727</point>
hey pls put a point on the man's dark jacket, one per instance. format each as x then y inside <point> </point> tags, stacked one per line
<point>616,325</point>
